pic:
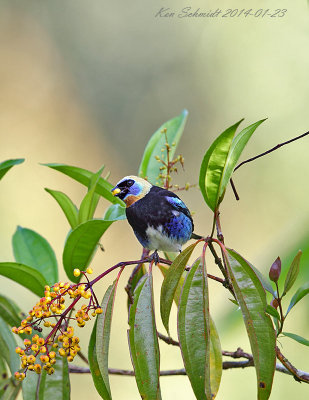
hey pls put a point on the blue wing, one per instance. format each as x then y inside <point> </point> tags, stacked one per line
<point>179,205</point>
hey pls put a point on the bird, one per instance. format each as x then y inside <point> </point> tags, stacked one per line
<point>158,217</point>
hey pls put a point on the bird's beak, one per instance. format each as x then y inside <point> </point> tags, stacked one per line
<point>115,191</point>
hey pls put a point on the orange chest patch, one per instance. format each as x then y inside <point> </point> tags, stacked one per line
<point>131,200</point>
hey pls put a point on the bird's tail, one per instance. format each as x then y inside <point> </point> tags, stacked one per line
<point>195,236</point>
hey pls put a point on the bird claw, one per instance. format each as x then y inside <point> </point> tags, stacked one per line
<point>155,257</point>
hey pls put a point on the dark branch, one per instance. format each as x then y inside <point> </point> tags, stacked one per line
<point>167,339</point>
<point>234,189</point>
<point>239,353</point>
<point>271,150</point>
<point>226,365</point>
<point>299,376</point>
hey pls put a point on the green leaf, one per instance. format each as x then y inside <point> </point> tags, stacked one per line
<point>265,283</point>
<point>103,329</point>
<point>251,297</point>
<point>292,273</point>
<point>301,292</point>
<point>213,167</point>
<point>170,283</point>
<point>115,212</point>
<point>134,279</point>
<point>29,385</point>
<point>143,341</point>
<point>238,144</point>
<point>9,389</point>
<point>32,249</point>
<point>89,202</point>
<point>272,311</point>
<point>5,166</point>
<point>298,338</point>
<point>3,371</point>
<point>220,160</point>
<point>94,366</point>
<point>25,276</point>
<point>81,245</point>
<point>150,167</point>
<point>164,269</point>
<point>10,311</point>
<point>215,359</point>
<point>84,176</point>
<point>68,207</point>
<point>194,335</point>
<point>57,385</point>
<point>7,347</point>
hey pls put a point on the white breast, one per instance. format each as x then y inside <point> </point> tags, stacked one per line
<point>159,241</point>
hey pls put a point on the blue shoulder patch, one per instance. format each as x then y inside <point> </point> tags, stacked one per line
<point>177,203</point>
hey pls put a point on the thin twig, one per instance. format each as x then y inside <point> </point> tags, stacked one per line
<point>83,357</point>
<point>279,298</point>
<point>167,339</point>
<point>234,189</point>
<point>218,261</point>
<point>271,150</point>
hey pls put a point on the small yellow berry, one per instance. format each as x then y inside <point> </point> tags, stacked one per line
<point>98,310</point>
<point>34,348</point>
<point>76,272</point>
<point>38,368</point>
<point>89,270</point>
<point>35,338</point>
<point>62,352</point>
<point>51,371</point>
<point>28,330</point>
<point>44,359</point>
<point>31,359</point>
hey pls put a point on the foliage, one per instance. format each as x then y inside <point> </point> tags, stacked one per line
<point>49,344</point>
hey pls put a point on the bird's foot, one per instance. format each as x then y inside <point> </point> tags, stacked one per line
<point>155,257</point>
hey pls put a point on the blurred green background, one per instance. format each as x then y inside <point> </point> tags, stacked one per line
<point>87,82</point>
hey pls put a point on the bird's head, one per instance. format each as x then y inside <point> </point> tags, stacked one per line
<point>131,188</point>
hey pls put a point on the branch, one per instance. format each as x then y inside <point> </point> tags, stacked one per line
<point>271,150</point>
<point>167,339</point>
<point>226,365</point>
<point>239,353</point>
<point>299,375</point>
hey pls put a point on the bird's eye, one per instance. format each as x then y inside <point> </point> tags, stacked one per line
<point>130,182</point>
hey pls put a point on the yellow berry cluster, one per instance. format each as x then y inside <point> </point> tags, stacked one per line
<point>61,339</point>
